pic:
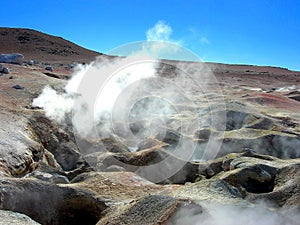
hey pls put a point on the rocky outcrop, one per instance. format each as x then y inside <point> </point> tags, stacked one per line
<point>242,127</point>
<point>18,153</point>
<point>153,209</point>
<point>119,188</point>
<point>259,177</point>
<point>144,163</point>
<point>14,58</point>
<point>285,188</point>
<point>58,141</point>
<point>50,204</point>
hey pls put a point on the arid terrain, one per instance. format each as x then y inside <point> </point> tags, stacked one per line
<point>45,178</point>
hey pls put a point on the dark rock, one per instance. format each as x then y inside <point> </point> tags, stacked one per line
<point>286,191</point>
<point>30,62</point>
<point>50,204</point>
<point>49,68</point>
<point>52,75</point>
<point>295,97</point>
<point>18,87</point>
<point>5,70</point>
<point>170,137</point>
<point>281,145</point>
<point>156,165</point>
<point>254,179</point>
<point>57,141</point>
<point>203,134</point>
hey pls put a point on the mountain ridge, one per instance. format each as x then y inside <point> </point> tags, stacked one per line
<point>36,45</point>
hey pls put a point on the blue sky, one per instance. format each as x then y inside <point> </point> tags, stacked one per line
<point>259,32</point>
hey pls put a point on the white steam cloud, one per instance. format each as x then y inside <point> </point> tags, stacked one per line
<point>258,214</point>
<point>55,105</point>
<point>92,91</point>
<point>58,105</point>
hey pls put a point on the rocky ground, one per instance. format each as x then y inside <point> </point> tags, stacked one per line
<point>44,177</point>
<point>250,114</point>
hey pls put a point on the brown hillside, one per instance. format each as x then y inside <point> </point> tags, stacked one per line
<point>43,47</point>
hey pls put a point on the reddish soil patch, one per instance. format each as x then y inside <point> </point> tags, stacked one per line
<point>274,101</point>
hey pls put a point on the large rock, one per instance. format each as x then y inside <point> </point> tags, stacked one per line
<point>152,210</point>
<point>50,204</point>
<point>255,177</point>
<point>9,217</point>
<point>119,187</point>
<point>5,70</point>
<point>58,141</point>
<point>156,165</point>
<point>211,190</point>
<point>286,188</point>
<point>242,126</point>
<point>18,152</point>
<point>14,58</point>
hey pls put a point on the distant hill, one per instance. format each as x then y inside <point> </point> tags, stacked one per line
<point>43,47</point>
<point>35,45</point>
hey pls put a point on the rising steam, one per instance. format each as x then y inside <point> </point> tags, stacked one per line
<point>216,214</point>
<point>87,106</point>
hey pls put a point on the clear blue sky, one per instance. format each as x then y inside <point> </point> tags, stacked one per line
<point>260,32</point>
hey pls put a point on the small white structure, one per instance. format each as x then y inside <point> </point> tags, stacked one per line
<point>14,58</point>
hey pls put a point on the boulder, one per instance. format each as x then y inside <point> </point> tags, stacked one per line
<point>58,141</point>
<point>156,165</point>
<point>18,152</point>
<point>286,188</point>
<point>50,204</point>
<point>18,87</point>
<point>256,177</point>
<point>5,70</point>
<point>49,68</point>
<point>119,187</point>
<point>152,210</point>
<point>9,217</point>
<point>211,190</point>
<point>14,58</point>
<point>30,62</point>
